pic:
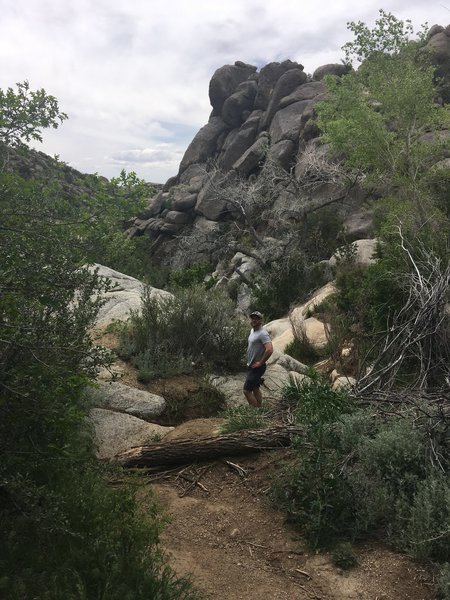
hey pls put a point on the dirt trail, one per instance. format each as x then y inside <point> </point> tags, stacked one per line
<point>225,533</point>
<point>228,538</point>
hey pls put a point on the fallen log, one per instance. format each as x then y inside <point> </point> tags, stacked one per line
<point>179,452</point>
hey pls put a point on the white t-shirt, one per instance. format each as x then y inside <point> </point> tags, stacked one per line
<point>256,341</point>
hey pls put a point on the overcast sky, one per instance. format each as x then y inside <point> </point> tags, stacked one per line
<point>133,75</point>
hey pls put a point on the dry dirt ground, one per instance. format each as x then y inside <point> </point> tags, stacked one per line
<point>227,537</point>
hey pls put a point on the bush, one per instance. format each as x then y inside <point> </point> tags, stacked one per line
<point>66,533</point>
<point>289,280</point>
<point>160,361</point>
<point>444,582</point>
<point>77,537</point>
<point>190,276</point>
<point>427,534</point>
<point>318,500</point>
<point>195,326</point>
<point>344,556</point>
<point>358,473</point>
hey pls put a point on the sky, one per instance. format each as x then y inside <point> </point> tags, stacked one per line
<point>133,75</point>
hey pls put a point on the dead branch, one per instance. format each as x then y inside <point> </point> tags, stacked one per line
<point>240,470</point>
<point>418,330</point>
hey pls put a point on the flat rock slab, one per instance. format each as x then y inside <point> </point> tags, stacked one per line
<point>124,297</point>
<point>116,432</point>
<point>125,399</point>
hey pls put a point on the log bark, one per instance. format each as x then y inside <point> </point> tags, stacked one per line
<point>181,452</point>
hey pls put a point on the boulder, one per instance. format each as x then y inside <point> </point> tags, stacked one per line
<point>244,298</point>
<point>225,81</point>
<point>307,91</point>
<point>193,175</point>
<point>171,228</point>
<point>154,206</point>
<point>275,378</point>
<point>125,399</point>
<point>308,308</point>
<point>344,383</point>
<point>204,144</point>
<point>286,84</point>
<point>177,217</point>
<point>297,378</point>
<point>238,141</point>
<point>288,362</point>
<point>184,201</point>
<point>283,153</point>
<point>281,341</point>
<point>239,104</point>
<point>209,204</point>
<point>441,138</point>
<point>115,432</point>
<point>286,122</point>
<point>359,224</point>
<point>125,295</point>
<point>438,47</point>
<point>333,69</point>
<point>316,333</point>
<point>277,327</point>
<point>252,158</point>
<point>268,77</point>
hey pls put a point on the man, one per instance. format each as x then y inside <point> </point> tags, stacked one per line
<point>259,349</point>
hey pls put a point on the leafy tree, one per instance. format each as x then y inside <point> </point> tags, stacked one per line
<point>389,36</point>
<point>383,118</point>
<point>24,113</point>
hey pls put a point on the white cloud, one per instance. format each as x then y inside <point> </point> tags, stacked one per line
<point>133,75</point>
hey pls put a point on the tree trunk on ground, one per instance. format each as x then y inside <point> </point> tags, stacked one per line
<point>186,451</point>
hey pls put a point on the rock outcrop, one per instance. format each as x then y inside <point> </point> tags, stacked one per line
<point>260,116</point>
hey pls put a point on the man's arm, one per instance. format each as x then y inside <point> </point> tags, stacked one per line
<point>268,350</point>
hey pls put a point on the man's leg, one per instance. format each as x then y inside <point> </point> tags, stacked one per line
<point>250,396</point>
<point>258,396</point>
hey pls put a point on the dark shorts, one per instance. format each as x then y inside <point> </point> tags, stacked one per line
<point>253,379</point>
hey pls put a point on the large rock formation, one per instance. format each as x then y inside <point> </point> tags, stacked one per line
<point>258,118</point>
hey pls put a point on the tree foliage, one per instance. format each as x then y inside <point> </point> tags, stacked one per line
<point>66,533</point>
<point>24,113</point>
<point>389,36</point>
<point>383,118</point>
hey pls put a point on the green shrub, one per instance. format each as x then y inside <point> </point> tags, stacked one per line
<point>161,362</point>
<point>316,497</point>
<point>245,417</point>
<point>289,280</point>
<point>79,538</point>
<point>196,328</point>
<point>344,556</point>
<point>444,582</point>
<point>358,473</point>
<point>189,276</point>
<point>427,534</point>
<point>65,531</point>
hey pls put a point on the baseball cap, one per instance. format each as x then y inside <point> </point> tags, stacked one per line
<point>256,313</point>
